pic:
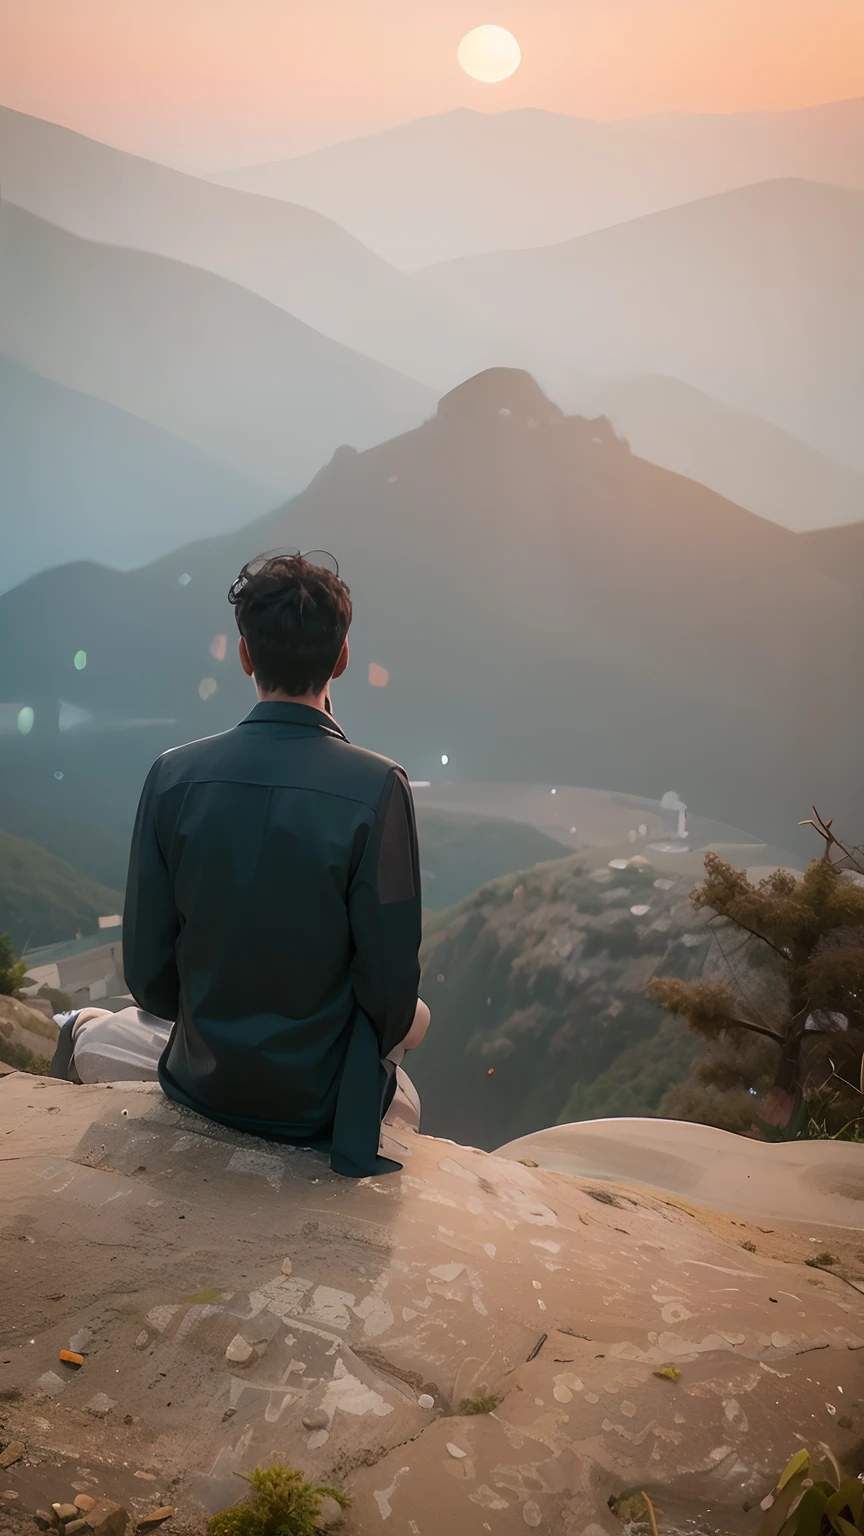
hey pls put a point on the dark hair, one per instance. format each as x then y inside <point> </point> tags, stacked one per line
<point>294,616</point>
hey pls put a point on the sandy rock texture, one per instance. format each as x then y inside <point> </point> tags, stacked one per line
<point>156,1243</point>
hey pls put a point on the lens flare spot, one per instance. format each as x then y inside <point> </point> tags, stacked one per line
<point>219,647</point>
<point>26,720</point>
<point>379,677</point>
<point>79,661</point>
<point>207,687</point>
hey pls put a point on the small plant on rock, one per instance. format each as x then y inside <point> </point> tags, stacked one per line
<point>484,1402</point>
<point>12,970</point>
<point>806,1503</point>
<point>281,1503</point>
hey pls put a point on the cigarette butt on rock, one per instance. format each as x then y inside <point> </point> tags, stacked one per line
<point>69,1357</point>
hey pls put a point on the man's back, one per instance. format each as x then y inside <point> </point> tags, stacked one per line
<point>273,910</point>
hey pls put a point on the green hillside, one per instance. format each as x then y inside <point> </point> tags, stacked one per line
<point>100,852</point>
<point>536,984</point>
<point>43,899</point>
<point>460,851</point>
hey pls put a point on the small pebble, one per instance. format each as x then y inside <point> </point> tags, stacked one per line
<point>455,1451</point>
<point>158,1515</point>
<point>425,1401</point>
<point>239,1350</point>
<point>65,1511</point>
<point>316,1420</point>
<point>287,1266</point>
<point>13,1452</point>
<point>84,1502</point>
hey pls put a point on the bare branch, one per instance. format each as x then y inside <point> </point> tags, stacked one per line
<point>754,933</point>
<point>727,1022</point>
<point>853,858</point>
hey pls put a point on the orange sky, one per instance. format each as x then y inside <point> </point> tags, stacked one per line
<point>204,83</point>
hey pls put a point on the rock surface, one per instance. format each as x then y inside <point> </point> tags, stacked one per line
<point>466,1275</point>
<point>821,1181</point>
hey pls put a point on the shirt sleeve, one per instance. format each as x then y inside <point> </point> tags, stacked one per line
<point>385,914</point>
<point>150,921</point>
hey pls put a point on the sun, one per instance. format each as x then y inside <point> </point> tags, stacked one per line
<point>489,54</point>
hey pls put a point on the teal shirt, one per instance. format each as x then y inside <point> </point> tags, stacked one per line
<point>273,911</point>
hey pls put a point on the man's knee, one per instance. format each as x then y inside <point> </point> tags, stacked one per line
<point>419,1026</point>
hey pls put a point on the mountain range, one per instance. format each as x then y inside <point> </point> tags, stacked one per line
<point>463,182</point>
<point>291,256</point>
<point>839,552</point>
<point>308,267</point>
<point>754,296</point>
<point>191,353</point>
<point>84,480</point>
<point>547,606</point>
<point>745,459</point>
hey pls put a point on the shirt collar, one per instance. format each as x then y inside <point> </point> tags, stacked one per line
<point>276,713</point>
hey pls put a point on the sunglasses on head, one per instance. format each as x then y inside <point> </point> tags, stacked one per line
<point>321,559</point>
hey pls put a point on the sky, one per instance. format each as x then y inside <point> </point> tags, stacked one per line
<point>209,83</point>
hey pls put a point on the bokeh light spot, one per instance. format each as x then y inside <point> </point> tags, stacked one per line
<point>379,677</point>
<point>79,661</point>
<point>26,720</point>
<point>57,773</point>
<point>444,759</point>
<point>219,647</point>
<point>184,580</point>
<point>207,687</point>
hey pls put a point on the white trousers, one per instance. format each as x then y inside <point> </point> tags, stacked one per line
<point>125,1047</point>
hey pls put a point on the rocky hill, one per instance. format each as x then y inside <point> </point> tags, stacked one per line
<point>536,985</point>
<point>27,1037</point>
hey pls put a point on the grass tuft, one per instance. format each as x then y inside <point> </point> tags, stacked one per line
<point>281,1503</point>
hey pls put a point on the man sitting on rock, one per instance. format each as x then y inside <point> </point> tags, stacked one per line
<point>273,902</point>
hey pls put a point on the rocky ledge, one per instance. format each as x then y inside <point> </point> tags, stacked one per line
<point>477,1344</point>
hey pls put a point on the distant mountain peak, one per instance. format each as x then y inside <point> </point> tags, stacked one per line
<point>497,392</point>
